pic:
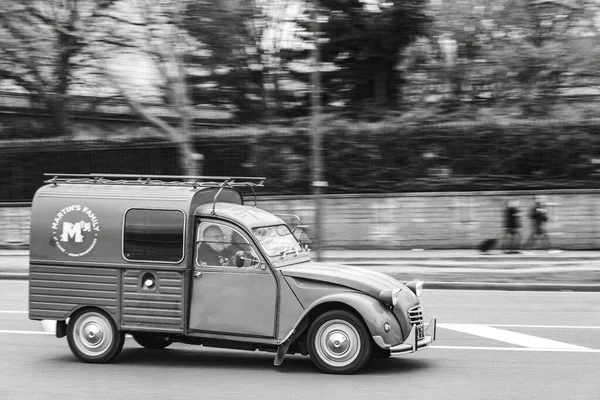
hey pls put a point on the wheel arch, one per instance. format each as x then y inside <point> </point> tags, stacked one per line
<point>83,308</point>
<point>369,310</point>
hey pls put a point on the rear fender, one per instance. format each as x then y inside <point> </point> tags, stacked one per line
<point>69,314</point>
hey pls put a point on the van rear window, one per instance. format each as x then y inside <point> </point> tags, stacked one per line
<point>154,235</point>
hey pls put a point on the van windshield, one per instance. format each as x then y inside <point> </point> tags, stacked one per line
<point>278,240</point>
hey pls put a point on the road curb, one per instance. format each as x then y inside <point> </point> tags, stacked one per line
<point>374,260</point>
<point>14,276</point>
<point>14,253</point>
<point>517,286</point>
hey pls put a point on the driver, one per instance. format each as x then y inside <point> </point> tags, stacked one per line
<point>213,249</point>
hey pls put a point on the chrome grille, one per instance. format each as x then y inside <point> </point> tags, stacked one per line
<point>415,315</point>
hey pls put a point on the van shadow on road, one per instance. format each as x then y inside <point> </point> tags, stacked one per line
<point>255,361</point>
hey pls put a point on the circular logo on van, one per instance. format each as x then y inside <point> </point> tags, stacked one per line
<point>75,230</point>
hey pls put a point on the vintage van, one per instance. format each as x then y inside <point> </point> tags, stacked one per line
<point>182,259</point>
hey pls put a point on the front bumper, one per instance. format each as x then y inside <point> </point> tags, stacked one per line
<point>412,342</point>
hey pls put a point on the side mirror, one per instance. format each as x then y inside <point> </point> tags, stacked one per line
<point>239,259</point>
<point>294,223</point>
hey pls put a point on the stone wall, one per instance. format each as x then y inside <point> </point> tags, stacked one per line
<point>14,225</point>
<point>410,220</point>
<point>443,220</point>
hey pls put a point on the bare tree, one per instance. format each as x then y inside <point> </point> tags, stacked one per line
<point>153,39</point>
<point>243,39</point>
<point>41,45</point>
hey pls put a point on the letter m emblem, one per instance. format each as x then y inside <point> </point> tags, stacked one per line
<point>71,231</point>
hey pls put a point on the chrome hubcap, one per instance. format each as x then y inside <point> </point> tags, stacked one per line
<point>337,343</point>
<point>93,334</point>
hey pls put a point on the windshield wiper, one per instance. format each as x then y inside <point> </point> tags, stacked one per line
<point>294,249</point>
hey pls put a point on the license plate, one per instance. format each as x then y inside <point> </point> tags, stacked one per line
<point>420,332</point>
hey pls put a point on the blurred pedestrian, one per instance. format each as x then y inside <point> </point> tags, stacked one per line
<point>539,219</point>
<point>512,226</point>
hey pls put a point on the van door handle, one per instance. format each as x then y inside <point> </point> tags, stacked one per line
<point>197,274</point>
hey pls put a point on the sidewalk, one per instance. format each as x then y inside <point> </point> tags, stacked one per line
<point>447,269</point>
<point>470,269</point>
<point>460,255</point>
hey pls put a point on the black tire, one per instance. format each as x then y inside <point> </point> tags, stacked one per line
<point>338,342</point>
<point>150,341</point>
<point>93,336</point>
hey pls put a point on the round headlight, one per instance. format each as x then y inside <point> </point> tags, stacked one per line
<point>416,287</point>
<point>395,296</point>
<point>419,288</point>
<point>389,296</point>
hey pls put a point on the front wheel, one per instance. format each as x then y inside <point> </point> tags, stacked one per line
<point>152,342</point>
<point>338,342</point>
<point>93,336</point>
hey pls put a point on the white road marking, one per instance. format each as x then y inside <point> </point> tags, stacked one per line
<point>38,332</point>
<point>543,326</point>
<point>505,336</point>
<point>490,331</point>
<point>48,325</point>
<point>582,350</point>
<point>436,347</point>
<point>28,332</point>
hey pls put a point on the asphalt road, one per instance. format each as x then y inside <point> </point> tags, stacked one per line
<point>491,345</point>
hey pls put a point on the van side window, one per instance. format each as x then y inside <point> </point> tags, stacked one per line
<point>154,235</point>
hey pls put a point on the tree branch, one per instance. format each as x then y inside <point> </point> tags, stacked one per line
<point>114,43</point>
<point>119,19</point>
<point>153,119</point>
<point>175,135</point>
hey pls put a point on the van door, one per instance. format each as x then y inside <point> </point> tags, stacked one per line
<point>227,299</point>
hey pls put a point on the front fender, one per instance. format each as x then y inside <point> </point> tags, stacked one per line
<point>374,313</point>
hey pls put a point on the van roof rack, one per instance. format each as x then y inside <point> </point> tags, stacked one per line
<point>156,180</point>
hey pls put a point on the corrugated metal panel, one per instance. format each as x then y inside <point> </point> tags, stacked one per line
<point>160,309</point>
<point>55,291</point>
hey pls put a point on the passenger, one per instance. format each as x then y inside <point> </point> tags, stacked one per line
<point>213,251</point>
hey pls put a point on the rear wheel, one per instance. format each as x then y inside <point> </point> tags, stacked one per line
<point>152,342</point>
<point>338,342</point>
<point>93,336</point>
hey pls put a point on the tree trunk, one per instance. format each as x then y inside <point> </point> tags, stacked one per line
<point>59,113</point>
<point>68,46</point>
<point>380,84</point>
<point>266,91</point>
<point>276,92</point>
<point>190,162</point>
